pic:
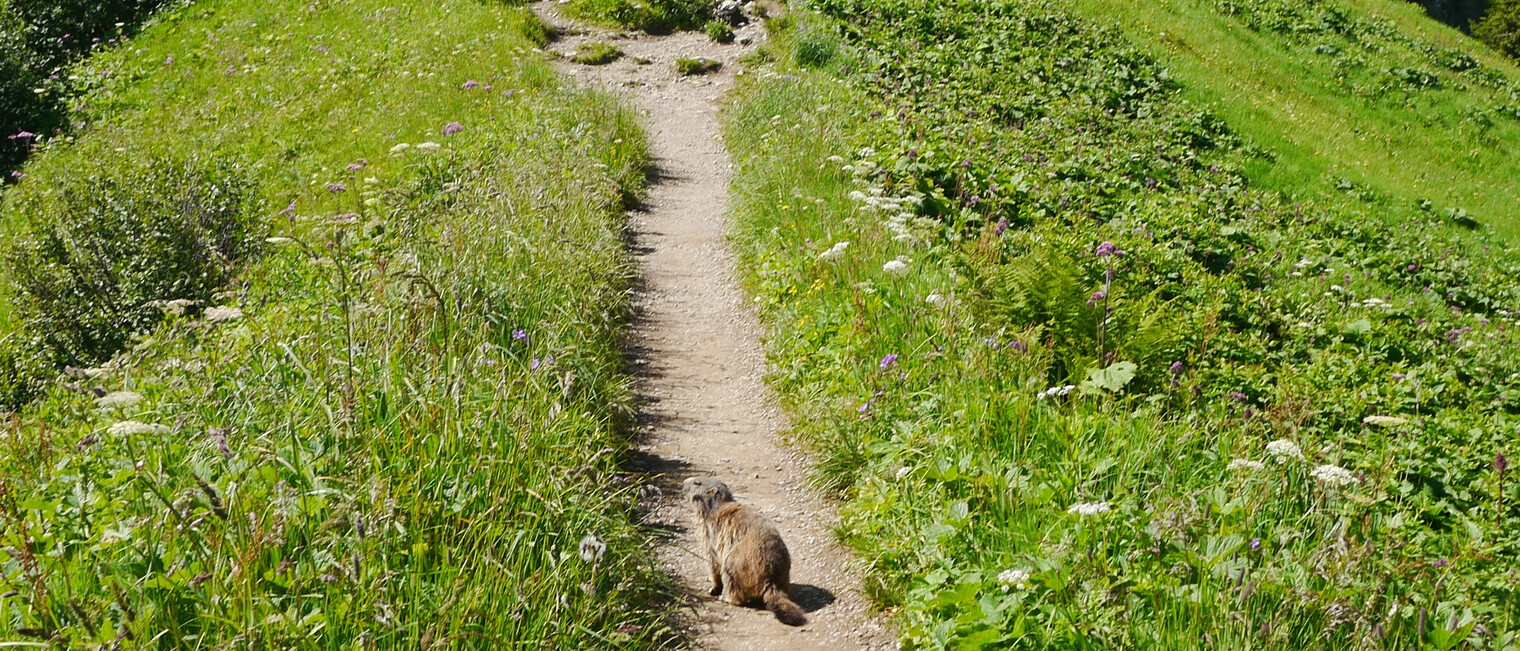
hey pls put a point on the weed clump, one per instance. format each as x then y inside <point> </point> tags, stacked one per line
<point>596,54</point>
<point>719,32</point>
<point>689,67</point>
<point>654,17</point>
<point>814,49</point>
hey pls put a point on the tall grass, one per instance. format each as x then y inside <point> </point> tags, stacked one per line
<point>1052,347</point>
<point>401,426</point>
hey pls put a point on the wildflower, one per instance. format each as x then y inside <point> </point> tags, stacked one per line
<point>1282,450</point>
<point>17,174</point>
<point>175,307</point>
<point>857,195</point>
<point>520,335</point>
<point>1014,578</point>
<point>1108,249</point>
<point>289,210</point>
<point>1239,397</point>
<point>337,187</point>
<point>834,253</point>
<point>470,84</point>
<point>1245,465</point>
<point>1002,227</point>
<point>935,299</point>
<point>1333,475</point>
<point>346,218</point>
<point>117,399</point>
<point>1055,392</point>
<point>221,314</point>
<point>400,149</point>
<point>428,147</point>
<point>1399,376</point>
<point>888,361</point>
<point>1088,508</point>
<point>1255,543</point>
<point>1384,421</point>
<point>134,427</point>
<point>592,548</point>
<point>452,128</point>
<point>836,159</point>
<point>354,167</point>
<point>896,268</point>
<point>1440,563</point>
<point>1500,463</point>
<point>904,471</point>
<point>1096,298</point>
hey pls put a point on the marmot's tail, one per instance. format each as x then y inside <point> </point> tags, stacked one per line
<point>786,610</point>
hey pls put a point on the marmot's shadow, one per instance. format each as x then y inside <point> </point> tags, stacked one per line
<point>810,597</point>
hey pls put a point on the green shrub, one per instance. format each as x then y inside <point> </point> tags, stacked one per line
<point>688,67</point>
<point>114,240</point>
<point>658,17</point>
<point>815,49</point>
<point>59,31</point>
<point>1500,27</point>
<point>596,54</point>
<point>720,32</point>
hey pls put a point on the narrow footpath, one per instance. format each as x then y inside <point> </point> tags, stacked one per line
<point>705,409</point>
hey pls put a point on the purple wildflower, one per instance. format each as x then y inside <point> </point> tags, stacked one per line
<point>520,335</point>
<point>1176,367</point>
<point>1399,376</point>
<point>1002,227</point>
<point>1238,397</point>
<point>1255,543</point>
<point>1096,298</point>
<point>888,361</point>
<point>1440,563</point>
<point>452,128</point>
<point>534,364</point>
<point>1017,345</point>
<point>470,84</point>
<point>346,218</point>
<point>23,135</point>
<point>16,174</point>
<point>1500,463</point>
<point>1108,249</point>
<point>991,342</point>
<point>289,210</point>
<point>337,187</point>
<point>1411,268</point>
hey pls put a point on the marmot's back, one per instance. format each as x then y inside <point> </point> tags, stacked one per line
<point>748,558</point>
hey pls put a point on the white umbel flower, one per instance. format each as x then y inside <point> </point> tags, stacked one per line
<point>936,299</point>
<point>896,268</point>
<point>1014,578</point>
<point>835,252</point>
<point>222,314</point>
<point>117,399</point>
<point>428,147</point>
<point>400,149</point>
<point>135,427</point>
<point>1245,465</point>
<point>1283,450</point>
<point>1385,421</point>
<point>1089,508</point>
<point>1333,475</point>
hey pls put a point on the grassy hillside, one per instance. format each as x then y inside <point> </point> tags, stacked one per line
<point>398,426</point>
<point>1089,376</point>
<point>1350,97</point>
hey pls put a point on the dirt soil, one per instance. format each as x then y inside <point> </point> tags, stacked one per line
<point>705,409</point>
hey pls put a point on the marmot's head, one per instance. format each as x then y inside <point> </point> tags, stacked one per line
<point>704,494</point>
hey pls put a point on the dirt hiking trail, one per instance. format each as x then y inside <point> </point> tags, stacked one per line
<point>705,409</point>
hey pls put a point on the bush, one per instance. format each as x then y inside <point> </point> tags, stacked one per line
<point>689,67</point>
<point>658,17</point>
<point>719,32</point>
<point>58,31</point>
<point>815,49</point>
<point>1500,28</point>
<point>596,54</point>
<point>112,241</point>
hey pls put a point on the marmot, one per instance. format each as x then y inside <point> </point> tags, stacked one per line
<point>744,550</point>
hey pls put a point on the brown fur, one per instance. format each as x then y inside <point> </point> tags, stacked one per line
<point>744,550</point>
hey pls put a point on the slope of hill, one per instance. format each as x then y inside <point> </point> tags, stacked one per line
<point>1359,97</point>
<point>1096,367</point>
<point>395,426</point>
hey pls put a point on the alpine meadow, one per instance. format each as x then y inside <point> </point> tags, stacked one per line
<point>372,324</point>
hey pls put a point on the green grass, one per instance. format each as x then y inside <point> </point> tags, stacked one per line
<point>688,66</point>
<point>407,434</point>
<point>923,218</point>
<point>596,54</point>
<point>1326,106</point>
<point>652,16</point>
